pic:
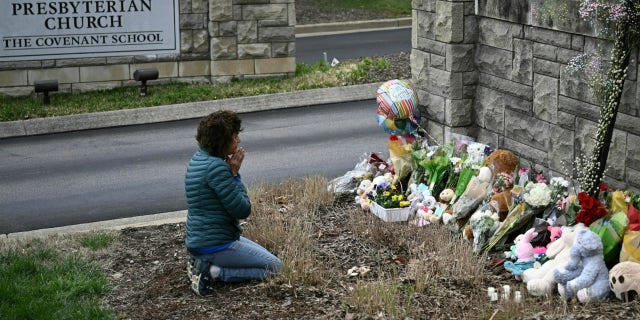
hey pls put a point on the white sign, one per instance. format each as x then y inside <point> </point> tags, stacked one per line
<point>59,29</point>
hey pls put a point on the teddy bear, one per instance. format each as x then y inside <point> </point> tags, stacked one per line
<point>524,252</point>
<point>445,201</point>
<point>477,189</point>
<point>425,213</point>
<point>585,275</point>
<point>500,161</point>
<point>539,279</point>
<point>362,194</point>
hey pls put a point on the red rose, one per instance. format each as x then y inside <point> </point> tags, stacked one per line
<point>590,209</point>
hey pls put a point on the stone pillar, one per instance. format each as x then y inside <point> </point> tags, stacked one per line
<point>443,70</point>
<point>251,38</point>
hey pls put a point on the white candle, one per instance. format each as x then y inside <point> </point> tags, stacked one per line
<point>518,297</point>
<point>506,290</point>
<point>490,291</point>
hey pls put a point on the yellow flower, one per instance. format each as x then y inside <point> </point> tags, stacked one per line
<point>387,193</point>
<point>393,188</point>
<point>404,204</point>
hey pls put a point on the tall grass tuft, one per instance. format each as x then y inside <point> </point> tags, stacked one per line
<point>282,220</point>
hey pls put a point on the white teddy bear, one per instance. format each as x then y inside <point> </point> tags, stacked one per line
<point>539,280</point>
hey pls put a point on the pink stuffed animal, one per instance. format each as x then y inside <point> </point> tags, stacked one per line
<point>525,254</point>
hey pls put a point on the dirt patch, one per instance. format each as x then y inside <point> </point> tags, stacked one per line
<point>147,269</point>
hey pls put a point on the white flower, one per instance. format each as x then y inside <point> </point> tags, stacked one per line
<point>559,182</point>
<point>538,195</point>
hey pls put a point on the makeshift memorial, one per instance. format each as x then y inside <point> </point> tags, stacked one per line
<point>624,280</point>
<point>524,252</point>
<point>585,275</point>
<point>540,280</point>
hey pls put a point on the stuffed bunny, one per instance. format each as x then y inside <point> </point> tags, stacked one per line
<point>585,275</point>
<point>524,252</point>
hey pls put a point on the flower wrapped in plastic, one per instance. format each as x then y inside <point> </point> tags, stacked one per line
<point>536,199</point>
<point>484,223</point>
<point>436,167</point>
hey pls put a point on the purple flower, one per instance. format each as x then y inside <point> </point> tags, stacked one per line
<point>487,150</point>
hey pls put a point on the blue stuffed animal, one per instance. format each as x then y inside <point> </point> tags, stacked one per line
<point>585,275</point>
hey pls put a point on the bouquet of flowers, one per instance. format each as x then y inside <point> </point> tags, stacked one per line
<point>538,195</point>
<point>502,182</point>
<point>591,209</point>
<point>388,196</point>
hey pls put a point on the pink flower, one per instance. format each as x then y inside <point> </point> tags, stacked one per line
<point>540,178</point>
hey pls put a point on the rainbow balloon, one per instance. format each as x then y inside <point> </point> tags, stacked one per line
<point>398,111</point>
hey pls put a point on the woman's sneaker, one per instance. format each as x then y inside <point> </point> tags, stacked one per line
<point>198,272</point>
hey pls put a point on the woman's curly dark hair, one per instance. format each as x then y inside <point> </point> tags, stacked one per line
<point>216,131</point>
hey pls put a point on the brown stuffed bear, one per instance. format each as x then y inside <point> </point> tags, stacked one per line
<point>502,161</point>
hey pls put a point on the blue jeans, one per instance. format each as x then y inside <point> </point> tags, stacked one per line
<point>244,260</point>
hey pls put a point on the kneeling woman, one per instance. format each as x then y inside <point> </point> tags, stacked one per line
<point>217,201</point>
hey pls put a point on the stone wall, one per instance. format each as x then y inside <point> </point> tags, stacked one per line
<point>219,40</point>
<point>500,77</point>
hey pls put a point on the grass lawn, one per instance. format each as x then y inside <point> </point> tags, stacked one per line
<point>40,280</point>
<point>307,76</point>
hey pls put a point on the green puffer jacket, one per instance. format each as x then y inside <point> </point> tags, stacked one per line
<point>216,201</point>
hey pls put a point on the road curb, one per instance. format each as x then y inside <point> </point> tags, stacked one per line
<point>116,224</point>
<point>350,26</point>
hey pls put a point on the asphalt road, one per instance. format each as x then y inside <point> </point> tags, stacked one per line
<point>95,175</point>
<point>352,45</point>
<point>87,176</point>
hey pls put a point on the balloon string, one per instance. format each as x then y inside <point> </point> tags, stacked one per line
<point>425,133</point>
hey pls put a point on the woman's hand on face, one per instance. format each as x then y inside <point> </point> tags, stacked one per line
<point>235,161</point>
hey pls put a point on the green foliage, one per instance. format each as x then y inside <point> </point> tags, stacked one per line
<point>96,241</point>
<point>398,7</point>
<point>367,66</point>
<point>37,282</point>
<point>304,68</point>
